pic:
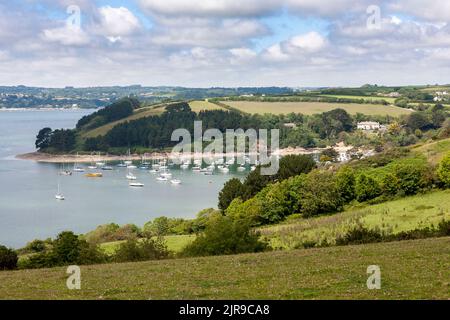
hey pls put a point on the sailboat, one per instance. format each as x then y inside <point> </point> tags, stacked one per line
<point>131,176</point>
<point>59,195</point>
<point>175,181</point>
<point>65,172</point>
<point>76,167</point>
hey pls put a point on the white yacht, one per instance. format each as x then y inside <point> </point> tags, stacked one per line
<point>175,181</point>
<point>136,184</point>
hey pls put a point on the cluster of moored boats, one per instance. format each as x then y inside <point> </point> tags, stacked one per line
<point>158,167</point>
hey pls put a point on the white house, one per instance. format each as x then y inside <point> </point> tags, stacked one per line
<point>369,125</point>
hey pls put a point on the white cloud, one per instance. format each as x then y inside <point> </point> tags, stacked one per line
<point>211,8</point>
<point>327,8</point>
<point>117,22</point>
<point>311,42</point>
<point>243,53</point>
<point>430,10</point>
<point>225,33</point>
<point>69,36</point>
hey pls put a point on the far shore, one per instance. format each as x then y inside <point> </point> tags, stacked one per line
<point>70,158</point>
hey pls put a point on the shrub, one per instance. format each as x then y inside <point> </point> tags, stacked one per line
<point>359,235</point>
<point>8,258</point>
<point>345,182</point>
<point>249,210</point>
<point>444,170</point>
<point>319,194</point>
<point>224,236</point>
<point>367,188</point>
<point>146,249</point>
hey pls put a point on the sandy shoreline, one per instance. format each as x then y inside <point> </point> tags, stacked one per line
<point>67,158</point>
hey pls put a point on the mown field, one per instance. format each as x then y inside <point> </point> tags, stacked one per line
<point>393,217</point>
<point>309,108</point>
<point>367,98</point>
<point>198,106</point>
<point>417,269</point>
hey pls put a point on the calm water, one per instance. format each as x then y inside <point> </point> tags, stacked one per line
<point>28,209</point>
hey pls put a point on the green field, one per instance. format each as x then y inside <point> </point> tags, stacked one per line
<point>367,98</point>
<point>309,108</point>
<point>409,270</point>
<point>394,216</point>
<point>174,243</point>
<point>198,106</point>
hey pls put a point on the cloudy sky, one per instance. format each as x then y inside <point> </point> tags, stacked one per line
<point>56,43</point>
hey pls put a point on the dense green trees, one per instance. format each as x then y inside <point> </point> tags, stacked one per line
<point>116,111</point>
<point>8,258</point>
<point>60,140</point>
<point>66,249</point>
<point>289,166</point>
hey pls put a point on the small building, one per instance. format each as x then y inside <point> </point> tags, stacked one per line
<point>369,125</point>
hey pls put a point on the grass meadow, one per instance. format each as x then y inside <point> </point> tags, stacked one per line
<point>309,108</point>
<point>417,269</point>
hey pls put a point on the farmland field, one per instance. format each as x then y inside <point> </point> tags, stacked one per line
<point>417,269</point>
<point>314,107</point>
<point>198,106</point>
<point>368,98</point>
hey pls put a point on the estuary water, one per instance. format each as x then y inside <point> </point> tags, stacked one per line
<point>29,210</point>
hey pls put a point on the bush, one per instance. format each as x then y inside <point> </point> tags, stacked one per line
<point>319,194</point>
<point>444,170</point>
<point>250,210</point>
<point>146,249</point>
<point>8,259</point>
<point>224,236</point>
<point>367,188</point>
<point>359,235</point>
<point>345,183</point>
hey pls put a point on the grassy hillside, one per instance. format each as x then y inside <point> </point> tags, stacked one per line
<point>148,111</point>
<point>434,151</point>
<point>137,114</point>
<point>409,270</point>
<point>309,108</point>
<point>394,216</point>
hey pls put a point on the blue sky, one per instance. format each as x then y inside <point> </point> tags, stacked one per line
<point>224,42</point>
